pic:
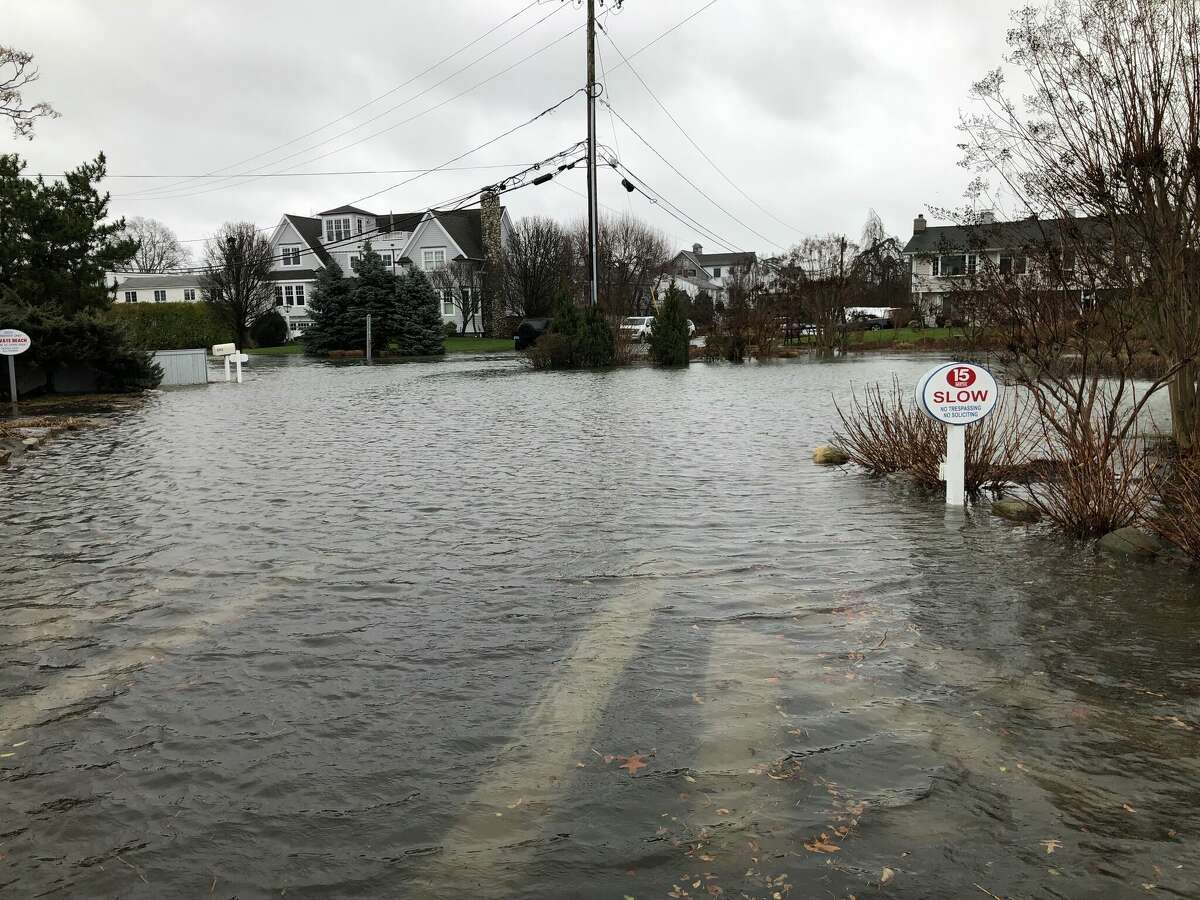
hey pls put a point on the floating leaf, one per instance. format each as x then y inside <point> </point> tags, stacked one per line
<point>632,763</point>
<point>886,875</point>
<point>1051,845</point>
<point>821,845</point>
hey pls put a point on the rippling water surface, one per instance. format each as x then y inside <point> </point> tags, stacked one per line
<point>411,631</point>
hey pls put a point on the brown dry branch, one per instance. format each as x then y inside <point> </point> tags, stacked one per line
<point>887,432</point>
<point>1176,517</point>
<point>1100,478</point>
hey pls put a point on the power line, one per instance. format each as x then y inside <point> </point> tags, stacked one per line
<point>287,174</point>
<point>454,203</point>
<point>387,93</point>
<point>656,197</point>
<point>391,127</point>
<point>691,141</point>
<point>545,112</point>
<point>693,185</point>
<point>654,41</point>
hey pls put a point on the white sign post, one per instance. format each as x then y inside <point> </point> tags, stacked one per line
<point>238,359</point>
<point>12,344</point>
<point>957,395</point>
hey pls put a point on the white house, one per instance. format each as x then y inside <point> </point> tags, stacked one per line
<point>153,288</point>
<point>303,245</point>
<point>945,259</point>
<point>719,267</point>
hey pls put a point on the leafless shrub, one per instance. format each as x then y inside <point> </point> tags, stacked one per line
<point>1099,482</point>
<point>1176,516</point>
<point>886,432</point>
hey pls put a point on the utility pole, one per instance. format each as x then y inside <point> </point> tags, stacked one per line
<point>593,202</point>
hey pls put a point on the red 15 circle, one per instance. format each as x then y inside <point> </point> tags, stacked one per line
<point>961,377</point>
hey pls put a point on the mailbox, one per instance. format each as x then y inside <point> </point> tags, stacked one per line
<point>224,349</point>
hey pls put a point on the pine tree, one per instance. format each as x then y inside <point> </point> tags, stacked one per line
<point>376,294</point>
<point>669,339</point>
<point>596,345</point>
<point>335,324</point>
<point>420,331</point>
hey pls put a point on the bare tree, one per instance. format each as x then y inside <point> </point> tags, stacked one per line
<point>17,72</point>
<point>880,268</point>
<point>820,271</point>
<point>237,263</point>
<point>1106,148</point>
<point>460,282</point>
<point>159,250</point>
<point>536,266</point>
<point>630,258</point>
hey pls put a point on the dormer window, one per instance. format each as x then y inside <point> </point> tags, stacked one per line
<point>337,229</point>
<point>290,255</point>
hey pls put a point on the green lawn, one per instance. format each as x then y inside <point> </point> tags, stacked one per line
<point>285,350</point>
<point>453,345</point>
<point>477,345</point>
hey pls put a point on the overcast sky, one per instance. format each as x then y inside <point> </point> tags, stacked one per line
<point>817,109</point>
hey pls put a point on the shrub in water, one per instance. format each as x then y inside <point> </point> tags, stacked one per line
<point>269,330</point>
<point>169,326</point>
<point>669,339</point>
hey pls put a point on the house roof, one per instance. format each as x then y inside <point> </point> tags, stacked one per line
<point>465,228</point>
<point>405,221</point>
<point>310,230</point>
<point>1000,235</point>
<point>726,259</point>
<point>346,211</point>
<point>292,275</point>
<point>149,280</point>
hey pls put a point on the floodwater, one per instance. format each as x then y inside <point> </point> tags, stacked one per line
<point>465,630</point>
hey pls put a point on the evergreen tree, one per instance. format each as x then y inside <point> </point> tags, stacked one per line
<point>54,244</point>
<point>421,332</point>
<point>669,339</point>
<point>376,295</point>
<point>334,321</point>
<point>596,344</point>
<point>55,248</point>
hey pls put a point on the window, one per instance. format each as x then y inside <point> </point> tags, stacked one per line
<point>953,265</point>
<point>972,263</point>
<point>387,260</point>
<point>716,271</point>
<point>131,296</point>
<point>337,229</point>
<point>299,326</point>
<point>448,307</point>
<point>1013,265</point>
<point>358,225</point>
<point>279,295</point>
<point>433,258</point>
<point>160,296</point>
<point>354,258</point>
<point>189,294</point>
<point>299,295</point>
<point>291,255</point>
<point>934,268</point>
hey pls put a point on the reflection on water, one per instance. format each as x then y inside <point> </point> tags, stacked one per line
<point>399,631</point>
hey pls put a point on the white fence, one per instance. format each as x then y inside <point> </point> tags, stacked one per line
<point>183,366</point>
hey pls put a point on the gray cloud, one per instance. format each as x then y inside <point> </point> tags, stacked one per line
<point>819,110</point>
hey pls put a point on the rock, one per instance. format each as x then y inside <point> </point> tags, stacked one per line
<point>828,455</point>
<point>31,443</point>
<point>1130,541</point>
<point>1015,510</point>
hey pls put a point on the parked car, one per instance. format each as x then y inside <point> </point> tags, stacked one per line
<point>637,328</point>
<point>528,332</point>
<point>868,323</point>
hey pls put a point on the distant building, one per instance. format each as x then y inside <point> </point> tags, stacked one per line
<point>303,245</point>
<point>719,267</point>
<point>945,259</point>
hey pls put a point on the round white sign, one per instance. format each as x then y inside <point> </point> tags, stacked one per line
<point>13,342</point>
<point>957,393</point>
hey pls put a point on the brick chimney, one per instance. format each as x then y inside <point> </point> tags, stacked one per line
<point>491,303</point>
<point>697,249</point>
<point>919,223</point>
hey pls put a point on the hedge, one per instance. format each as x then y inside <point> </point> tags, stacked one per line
<point>170,326</point>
